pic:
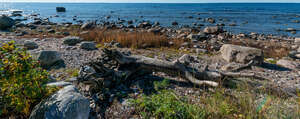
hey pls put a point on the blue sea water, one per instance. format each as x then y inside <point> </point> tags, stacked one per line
<point>264,18</point>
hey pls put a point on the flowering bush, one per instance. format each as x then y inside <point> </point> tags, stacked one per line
<point>22,81</point>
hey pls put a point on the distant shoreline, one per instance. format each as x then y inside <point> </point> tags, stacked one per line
<point>165,2</point>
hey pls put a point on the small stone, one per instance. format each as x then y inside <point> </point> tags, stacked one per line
<point>88,46</point>
<point>200,51</point>
<point>213,30</point>
<point>30,45</point>
<point>71,40</point>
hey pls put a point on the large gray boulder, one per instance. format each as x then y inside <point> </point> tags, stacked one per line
<point>50,59</point>
<point>67,103</point>
<point>71,40</point>
<point>6,22</point>
<point>240,54</point>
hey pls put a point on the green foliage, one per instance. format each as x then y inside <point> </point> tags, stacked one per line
<point>161,85</point>
<point>167,105</point>
<point>22,81</point>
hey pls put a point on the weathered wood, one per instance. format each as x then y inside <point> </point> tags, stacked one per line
<point>176,68</point>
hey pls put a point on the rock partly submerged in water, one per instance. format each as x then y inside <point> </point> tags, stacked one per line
<point>6,22</point>
<point>67,103</point>
<point>60,9</point>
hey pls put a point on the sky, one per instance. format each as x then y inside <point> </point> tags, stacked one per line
<point>156,1</point>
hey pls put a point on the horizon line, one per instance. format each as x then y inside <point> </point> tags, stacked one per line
<point>150,2</point>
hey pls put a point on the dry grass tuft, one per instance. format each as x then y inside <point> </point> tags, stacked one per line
<point>134,39</point>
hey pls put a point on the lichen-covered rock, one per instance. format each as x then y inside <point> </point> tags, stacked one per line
<point>67,103</point>
<point>240,54</point>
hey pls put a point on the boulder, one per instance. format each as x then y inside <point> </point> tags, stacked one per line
<point>213,30</point>
<point>30,45</point>
<point>88,25</point>
<point>200,36</point>
<point>174,23</point>
<point>71,40</point>
<point>88,46</point>
<point>50,59</point>
<point>210,20</point>
<point>6,22</point>
<point>144,25</point>
<point>288,64</point>
<point>240,54</point>
<point>67,103</point>
<point>60,9</point>
<point>290,29</point>
<point>186,59</point>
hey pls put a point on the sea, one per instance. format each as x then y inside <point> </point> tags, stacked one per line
<point>266,18</point>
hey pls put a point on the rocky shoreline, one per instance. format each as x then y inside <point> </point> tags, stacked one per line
<point>60,47</point>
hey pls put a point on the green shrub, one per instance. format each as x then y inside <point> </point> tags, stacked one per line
<point>167,105</point>
<point>159,85</point>
<point>22,81</point>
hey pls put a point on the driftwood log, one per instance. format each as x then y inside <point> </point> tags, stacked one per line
<point>135,64</point>
<point>120,67</point>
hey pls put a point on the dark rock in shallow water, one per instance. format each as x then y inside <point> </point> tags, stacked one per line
<point>144,25</point>
<point>174,23</point>
<point>210,20</point>
<point>290,29</point>
<point>6,22</point>
<point>130,22</point>
<point>60,9</point>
